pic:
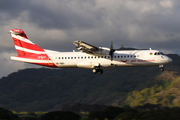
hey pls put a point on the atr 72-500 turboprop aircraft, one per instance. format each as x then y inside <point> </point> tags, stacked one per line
<point>90,57</point>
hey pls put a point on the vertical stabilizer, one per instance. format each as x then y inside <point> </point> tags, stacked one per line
<point>23,45</point>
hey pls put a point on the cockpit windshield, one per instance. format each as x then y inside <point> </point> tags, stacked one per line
<point>158,53</point>
<point>161,53</point>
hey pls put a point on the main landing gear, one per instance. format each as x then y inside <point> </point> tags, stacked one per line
<point>99,71</point>
<point>161,68</point>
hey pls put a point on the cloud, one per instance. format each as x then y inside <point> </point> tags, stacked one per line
<point>166,3</point>
<point>8,66</point>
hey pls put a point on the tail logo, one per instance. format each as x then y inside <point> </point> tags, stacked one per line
<point>41,57</point>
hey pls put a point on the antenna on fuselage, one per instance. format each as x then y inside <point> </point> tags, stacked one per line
<point>121,46</point>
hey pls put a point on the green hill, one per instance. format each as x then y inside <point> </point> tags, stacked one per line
<point>48,89</point>
<point>165,89</point>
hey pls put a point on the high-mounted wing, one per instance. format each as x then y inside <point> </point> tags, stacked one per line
<point>85,47</point>
<point>90,49</point>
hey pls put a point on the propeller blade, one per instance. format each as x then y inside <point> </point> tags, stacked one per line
<point>111,52</point>
<point>111,44</point>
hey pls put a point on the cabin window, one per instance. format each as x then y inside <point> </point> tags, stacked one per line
<point>74,57</point>
<point>101,56</point>
<point>78,57</point>
<point>98,56</point>
<point>104,56</point>
<point>85,57</point>
<point>124,56</point>
<point>59,57</point>
<point>114,56</point>
<point>62,57</point>
<point>65,57</point>
<point>128,56</point>
<point>118,56</point>
<point>71,57</point>
<point>81,57</point>
<point>95,57</point>
<point>92,57</point>
<point>108,56</point>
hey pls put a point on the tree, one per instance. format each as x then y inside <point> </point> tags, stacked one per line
<point>128,116</point>
<point>60,115</point>
<point>7,115</point>
<point>97,114</point>
<point>110,113</point>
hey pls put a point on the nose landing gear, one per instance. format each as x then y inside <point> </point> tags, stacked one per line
<point>161,68</point>
<point>99,71</point>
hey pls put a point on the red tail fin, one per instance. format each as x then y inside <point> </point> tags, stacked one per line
<point>23,45</point>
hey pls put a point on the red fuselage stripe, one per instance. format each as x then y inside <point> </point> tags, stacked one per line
<point>46,64</point>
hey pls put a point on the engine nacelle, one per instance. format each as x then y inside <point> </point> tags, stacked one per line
<point>102,51</point>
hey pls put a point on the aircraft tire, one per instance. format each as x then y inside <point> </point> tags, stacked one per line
<point>94,71</point>
<point>100,71</point>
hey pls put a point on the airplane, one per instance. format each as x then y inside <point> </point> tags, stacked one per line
<point>90,57</point>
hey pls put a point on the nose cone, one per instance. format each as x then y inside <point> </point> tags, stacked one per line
<point>169,60</point>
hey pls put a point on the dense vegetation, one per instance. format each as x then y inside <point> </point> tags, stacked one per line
<point>60,115</point>
<point>165,90</point>
<point>165,93</point>
<point>145,112</point>
<point>128,113</point>
<point>7,115</point>
<point>48,89</point>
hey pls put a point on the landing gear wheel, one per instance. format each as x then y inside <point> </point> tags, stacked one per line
<point>100,71</point>
<point>94,71</point>
<point>162,69</point>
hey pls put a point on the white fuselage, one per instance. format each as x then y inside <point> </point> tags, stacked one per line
<point>121,58</point>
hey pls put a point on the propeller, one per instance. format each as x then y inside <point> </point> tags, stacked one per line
<point>111,52</point>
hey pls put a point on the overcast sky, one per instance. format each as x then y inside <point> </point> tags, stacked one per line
<point>55,24</point>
